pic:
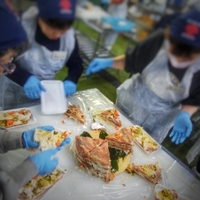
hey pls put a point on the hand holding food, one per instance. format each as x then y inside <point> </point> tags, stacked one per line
<point>45,161</point>
<point>28,137</point>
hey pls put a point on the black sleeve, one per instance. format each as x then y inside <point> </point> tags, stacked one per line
<point>19,76</point>
<point>144,52</point>
<point>194,98</point>
<point>75,65</point>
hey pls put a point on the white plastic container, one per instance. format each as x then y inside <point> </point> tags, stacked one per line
<point>53,101</point>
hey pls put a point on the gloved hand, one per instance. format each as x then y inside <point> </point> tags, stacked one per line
<point>105,1</point>
<point>182,128</point>
<point>28,137</point>
<point>33,88</point>
<point>99,64</point>
<point>69,87</point>
<point>45,161</point>
<point>65,142</point>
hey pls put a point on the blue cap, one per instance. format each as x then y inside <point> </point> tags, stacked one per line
<point>12,33</point>
<point>186,28</point>
<point>56,9</point>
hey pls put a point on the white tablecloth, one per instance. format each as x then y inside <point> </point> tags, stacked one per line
<point>78,184</point>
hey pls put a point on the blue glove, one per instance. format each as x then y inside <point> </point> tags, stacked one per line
<point>28,137</point>
<point>33,88</point>
<point>182,128</point>
<point>65,142</point>
<point>69,87</point>
<point>105,1</point>
<point>99,64</point>
<point>45,161</point>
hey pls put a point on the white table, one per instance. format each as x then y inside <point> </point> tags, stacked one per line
<point>78,184</point>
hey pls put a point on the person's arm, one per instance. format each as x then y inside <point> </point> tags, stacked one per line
<point>75,65</point>
<point>119,62</point>
<point>135,58</point>
<point>39,164</point>
<point>190,109</point>
<point>11,182</point>
<point>19,76</point>
<point>10,141</point>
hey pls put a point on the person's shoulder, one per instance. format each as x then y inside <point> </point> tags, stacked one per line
<point>30,13</point>
<point>156,36</point>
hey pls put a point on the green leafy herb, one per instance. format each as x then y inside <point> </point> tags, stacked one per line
<point>103,134</point>
<point>86,134</point>
<point>116,153</point>
<point>114,166</point>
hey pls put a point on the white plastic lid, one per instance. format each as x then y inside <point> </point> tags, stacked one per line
<point>53,101</point>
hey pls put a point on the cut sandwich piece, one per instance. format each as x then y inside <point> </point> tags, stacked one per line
<point>151,172</point>
<point>38,185</point>
<point>144,140</point>
<point>15,118</point>
<point>110,116</point>
<point>93,155</point>
<point>122,139</point>
<point>166,194</point>
<point>74,112</point>
<point>50,139</point>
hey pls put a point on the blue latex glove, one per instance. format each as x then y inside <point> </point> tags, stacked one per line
<point>28,137</point>
<point>118,24</point>
<point>69,87</point>
<point>33,88</point>
<point>99,64</point>
<point>182,128</point>
<point>65,142</point>
<point>45,161</point>
<point>105,1</point>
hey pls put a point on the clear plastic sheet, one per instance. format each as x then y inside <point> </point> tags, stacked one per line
<point>78,184</point>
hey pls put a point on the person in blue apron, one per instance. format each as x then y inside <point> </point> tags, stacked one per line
<point>40,163</point>
<point>117,9</point>
<point>164,90</point>
<point>52,45</point>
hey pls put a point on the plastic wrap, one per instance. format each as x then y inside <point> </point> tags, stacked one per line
<point>78,184</point>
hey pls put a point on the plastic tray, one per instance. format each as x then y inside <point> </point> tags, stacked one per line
<point>145,150</point>
<point>53,101</point>
<point>160,187</point>
<point>31,121</point>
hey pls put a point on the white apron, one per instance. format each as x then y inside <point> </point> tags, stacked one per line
<point>151,100</point>
<point>38,60</point>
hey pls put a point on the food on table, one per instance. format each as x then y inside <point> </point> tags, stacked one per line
<point>151,172</point>
<point>122,139</point>
<point>15,117</point>
<point>38,185</point>
<point>74,112</point>
<point>166,194</point>
<point>50,139</point>
<point>95,155</point>
<point>144,140</point>
<point>110,116</point>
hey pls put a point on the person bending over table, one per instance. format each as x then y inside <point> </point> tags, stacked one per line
<point>164,90</point>
<point>52,44</point>
<point>40,163</point>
